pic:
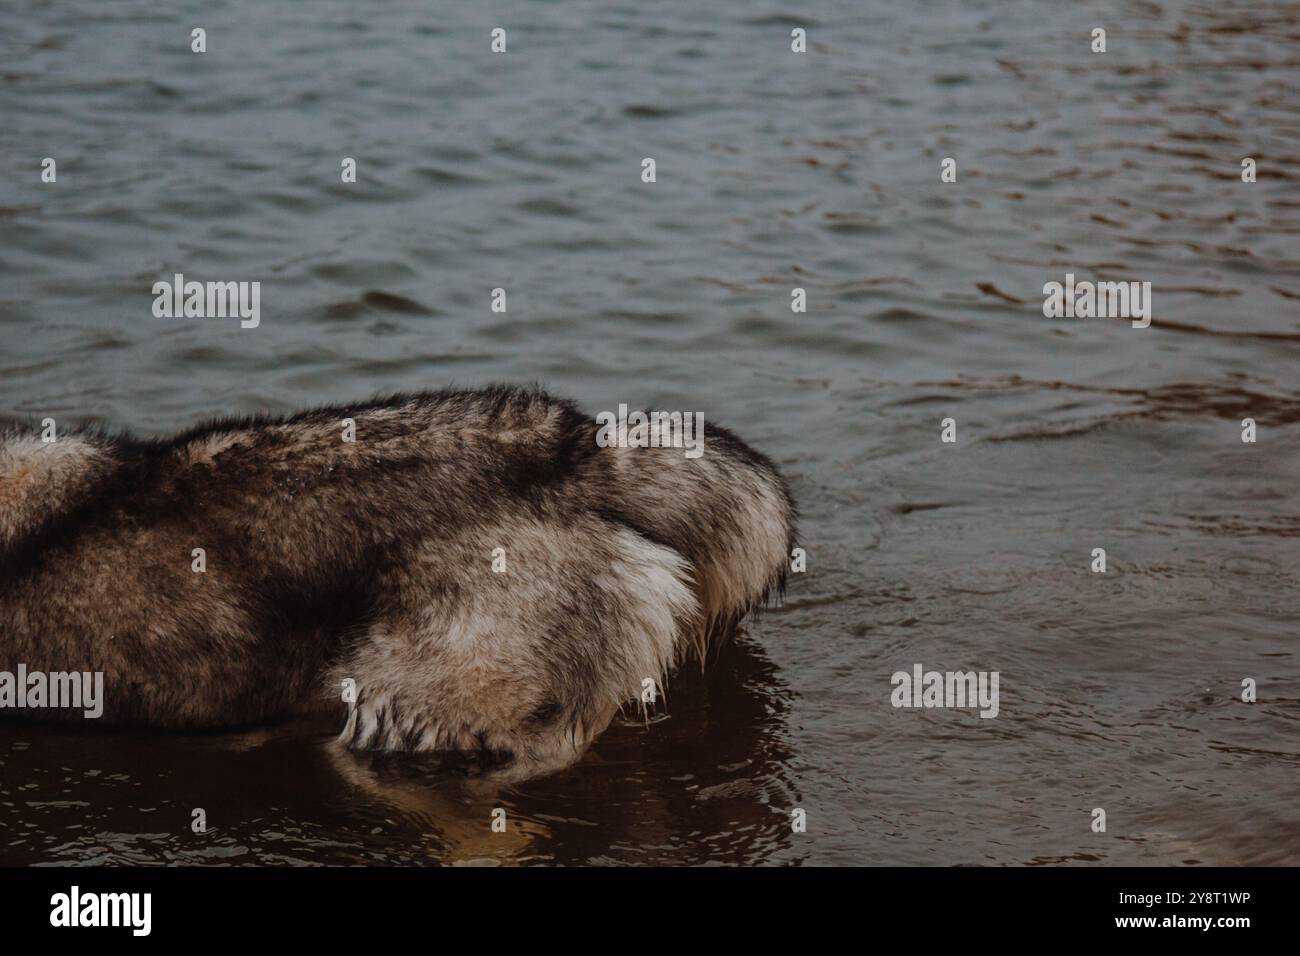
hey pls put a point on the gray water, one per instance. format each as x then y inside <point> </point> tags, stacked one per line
<point>775,170</point>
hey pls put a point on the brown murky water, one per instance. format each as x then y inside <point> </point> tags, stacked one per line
<point>775,170</point>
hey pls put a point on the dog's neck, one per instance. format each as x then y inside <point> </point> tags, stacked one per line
<point>40,480</point>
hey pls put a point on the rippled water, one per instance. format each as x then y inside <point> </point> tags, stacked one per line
<point>775,170</point>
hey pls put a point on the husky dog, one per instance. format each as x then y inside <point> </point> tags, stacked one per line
<point>370,561</point>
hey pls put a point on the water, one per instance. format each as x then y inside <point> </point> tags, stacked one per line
<point>775,170</point>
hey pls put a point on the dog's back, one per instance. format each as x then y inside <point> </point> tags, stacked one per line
<point>484,573</point>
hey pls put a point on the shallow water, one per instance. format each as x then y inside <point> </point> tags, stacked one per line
<point>775,170</point>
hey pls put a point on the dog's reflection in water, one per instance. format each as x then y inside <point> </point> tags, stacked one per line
<point>703,772</point>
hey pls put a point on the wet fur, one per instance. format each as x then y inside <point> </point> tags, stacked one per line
<point>373,561</point>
